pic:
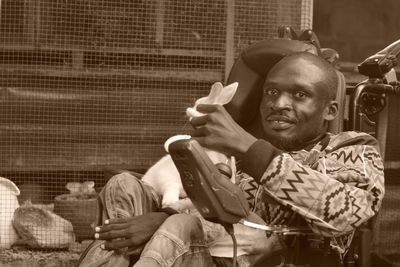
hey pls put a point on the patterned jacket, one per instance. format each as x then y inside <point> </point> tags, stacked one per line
<point>334,186</point>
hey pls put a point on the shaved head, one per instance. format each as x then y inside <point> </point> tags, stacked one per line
<point>324,71</point>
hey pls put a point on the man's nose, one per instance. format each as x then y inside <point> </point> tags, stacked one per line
<point>283,101</point>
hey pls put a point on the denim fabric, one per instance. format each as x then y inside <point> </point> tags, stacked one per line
<point>125,195</point>
<point>178,242</point>
<point>94,256</point>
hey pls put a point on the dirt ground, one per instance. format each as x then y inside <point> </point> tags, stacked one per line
<point>22,257</point>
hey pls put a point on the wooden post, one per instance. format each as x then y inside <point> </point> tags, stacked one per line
<point>77,59</point>
<point>38,22</point>
<point>306,20</point>
<point>160,16</point>
<point>282,19</point>
<point>29,27</point>
<point>229,38</point>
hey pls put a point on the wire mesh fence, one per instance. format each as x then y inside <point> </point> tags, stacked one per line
<point>92,86</point>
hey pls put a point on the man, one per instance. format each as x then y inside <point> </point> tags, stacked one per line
<point>304,176</point>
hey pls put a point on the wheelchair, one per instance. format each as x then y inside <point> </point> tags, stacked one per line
<point>363,107</point>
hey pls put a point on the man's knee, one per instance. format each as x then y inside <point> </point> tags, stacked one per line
<point>178,242</point>
<point>125,195</point>
<point>185,227</point>
<point>122,181</point>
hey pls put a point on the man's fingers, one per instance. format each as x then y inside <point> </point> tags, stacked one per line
<point>110,227</point>
<point>207,108</point>
<point>198,121</point>
<point>117,220</point>
<point>199,132</point>
<point>110,234</point>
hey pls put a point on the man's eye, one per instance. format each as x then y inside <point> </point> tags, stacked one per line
<point>300,94</point>
<point>271,92</point>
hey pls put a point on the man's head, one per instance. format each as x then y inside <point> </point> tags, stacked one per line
<point>298,100</point>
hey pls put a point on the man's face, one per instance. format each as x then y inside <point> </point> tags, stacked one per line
<point>294,105</point>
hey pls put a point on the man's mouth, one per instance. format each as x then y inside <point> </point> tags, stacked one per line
<point>278,122</point>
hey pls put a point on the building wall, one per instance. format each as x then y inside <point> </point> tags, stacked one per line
<point>358,29</point>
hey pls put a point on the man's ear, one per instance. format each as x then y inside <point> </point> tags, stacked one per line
<point>331,110</point>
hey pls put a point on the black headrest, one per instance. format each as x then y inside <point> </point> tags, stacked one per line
<point>250,70</point>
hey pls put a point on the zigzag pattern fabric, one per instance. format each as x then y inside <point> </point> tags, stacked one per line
<point>334,187</point>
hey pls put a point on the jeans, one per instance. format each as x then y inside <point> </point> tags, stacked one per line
<point>179,241</point>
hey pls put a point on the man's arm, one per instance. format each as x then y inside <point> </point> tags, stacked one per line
<point>342,189</point>
<point>336,193</point>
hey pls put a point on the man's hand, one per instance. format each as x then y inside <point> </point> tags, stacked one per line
<point>260,247</point>
<point>130,232</point>
<point>264,246</point>
<point>218,131</point>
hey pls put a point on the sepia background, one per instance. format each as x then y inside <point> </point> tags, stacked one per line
<point>90,87</point>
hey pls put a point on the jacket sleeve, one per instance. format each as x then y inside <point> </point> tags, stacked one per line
<point>339,191</point>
